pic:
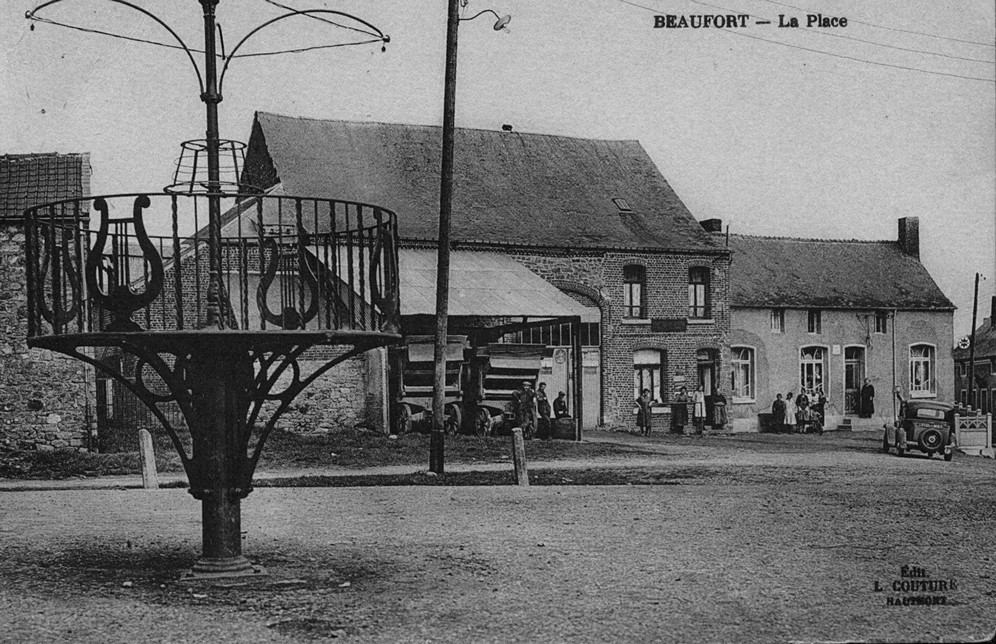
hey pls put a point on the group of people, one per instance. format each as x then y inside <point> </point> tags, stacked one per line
<point>679,411</point>
<point>799,414</point>
<point>533,410</point>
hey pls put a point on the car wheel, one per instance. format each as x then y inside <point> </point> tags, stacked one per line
<point>948,455</point>
<point>930,440</point>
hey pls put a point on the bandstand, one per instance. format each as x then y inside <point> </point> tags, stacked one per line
<point>216,316</point>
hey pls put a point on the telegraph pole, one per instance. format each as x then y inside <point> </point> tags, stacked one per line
<point>971,349</point>
<point>443,258</point>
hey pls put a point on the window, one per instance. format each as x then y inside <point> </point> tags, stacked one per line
<point>743,373</point>
<point>814,321</point>
<point>964,396</point>
<point>698,292</point>
<point>777,321</point>
<point>635,285</point>
<point>922,381</point>
<point>881,322</point>
<point>813,368</point>
<point>647,372</point>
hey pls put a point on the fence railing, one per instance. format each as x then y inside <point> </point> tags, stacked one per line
<point>974,434</point>
<point>279,264</point>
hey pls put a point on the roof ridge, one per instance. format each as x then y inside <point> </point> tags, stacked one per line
<point>439,127</point>
<point>815,239</point>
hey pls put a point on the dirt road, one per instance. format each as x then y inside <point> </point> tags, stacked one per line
<point>761,540</point>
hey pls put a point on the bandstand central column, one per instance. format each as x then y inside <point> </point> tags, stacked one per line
<point>220,381</point>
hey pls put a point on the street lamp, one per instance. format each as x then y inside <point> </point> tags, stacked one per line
<point>445,210</point>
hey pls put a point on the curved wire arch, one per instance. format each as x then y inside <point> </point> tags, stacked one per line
<point>377,33</point>
<point>31,15</point>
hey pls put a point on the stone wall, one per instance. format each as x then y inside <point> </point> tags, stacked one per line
<point>44,396</point>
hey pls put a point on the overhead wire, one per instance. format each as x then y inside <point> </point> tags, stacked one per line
<point>833,35</point>
<point>905,31</point>
<point>816,51</point>
<point>295,50</point>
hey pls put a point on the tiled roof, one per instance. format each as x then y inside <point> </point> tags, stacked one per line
<point>509,187</point>
<point>28,180</point>
<point>814,273</point>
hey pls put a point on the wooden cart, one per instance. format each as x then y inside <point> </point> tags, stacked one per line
<point>412,372</point>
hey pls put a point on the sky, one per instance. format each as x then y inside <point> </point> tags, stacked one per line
<point>829,133</point>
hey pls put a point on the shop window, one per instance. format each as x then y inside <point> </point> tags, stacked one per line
<point>743,374</point>
<point>635,288</point>
<point>698,292</point>
<point>922,379</point>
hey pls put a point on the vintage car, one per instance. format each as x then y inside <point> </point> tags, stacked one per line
<point>923,425</point>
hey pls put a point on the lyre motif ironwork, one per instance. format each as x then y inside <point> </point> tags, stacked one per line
<point>291,260</point>
<point>59,263</point>
<point>120,298</point>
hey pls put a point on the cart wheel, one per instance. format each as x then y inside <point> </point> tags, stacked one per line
<point>403,420</point>
<point>482,423</point>
<point>454,419</point>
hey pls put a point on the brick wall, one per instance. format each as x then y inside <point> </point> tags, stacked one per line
<point>43,395</point>
<point>600,274</point>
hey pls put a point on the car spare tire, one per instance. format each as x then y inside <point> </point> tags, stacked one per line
<point>931,440</point>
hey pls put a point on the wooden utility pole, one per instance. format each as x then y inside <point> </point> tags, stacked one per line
<point>971,348</point>
<point>443,258</point>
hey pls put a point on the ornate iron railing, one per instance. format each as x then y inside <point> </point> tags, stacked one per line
<point>283,264</point>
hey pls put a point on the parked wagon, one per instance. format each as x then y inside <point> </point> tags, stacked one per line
<point>496,373</point>
<point>412,369</point>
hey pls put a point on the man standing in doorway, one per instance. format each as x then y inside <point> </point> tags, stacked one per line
<point>867,396</point>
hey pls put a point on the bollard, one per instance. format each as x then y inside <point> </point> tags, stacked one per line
<point>519,457</point>
<point>150,479</point>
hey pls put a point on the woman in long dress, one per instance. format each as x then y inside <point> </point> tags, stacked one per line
<point>679,411</point>
<point>698,409</point>
<point>719,417</point>
<point>790,410</point>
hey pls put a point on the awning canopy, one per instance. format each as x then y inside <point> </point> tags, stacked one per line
<point>482,284</point>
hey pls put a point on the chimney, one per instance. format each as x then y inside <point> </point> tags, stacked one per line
<point>713,225</point>
<point>909,236</point>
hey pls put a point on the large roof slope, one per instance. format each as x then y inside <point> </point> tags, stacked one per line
<point>509,187</point>
<point>28,180</point>
<point>814,273</point>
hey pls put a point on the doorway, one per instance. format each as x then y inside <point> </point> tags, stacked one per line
<point>854,375</point>
<point>706,362</point>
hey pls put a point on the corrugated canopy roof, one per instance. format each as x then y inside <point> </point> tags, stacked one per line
<point>815,273</point>
<point>481,285</point>
<point>509,187</point>
<point>28,180</point>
